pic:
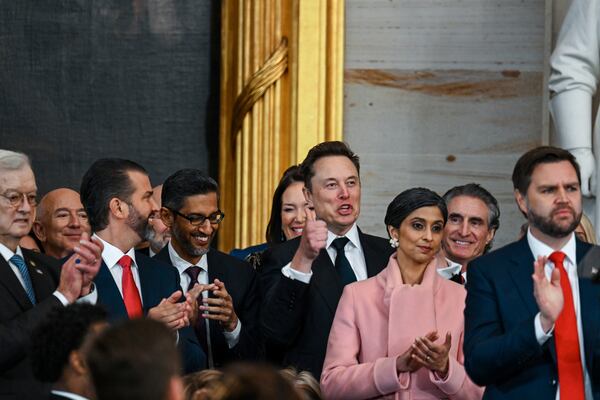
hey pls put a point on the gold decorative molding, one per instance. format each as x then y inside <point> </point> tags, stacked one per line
<point>270,116</point>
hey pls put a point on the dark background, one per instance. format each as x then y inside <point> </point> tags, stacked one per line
<point>85,79</point>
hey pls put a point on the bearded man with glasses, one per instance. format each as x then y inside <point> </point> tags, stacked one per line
<point>227,326</point>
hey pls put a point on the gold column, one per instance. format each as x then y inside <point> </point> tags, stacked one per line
<point>270,116</point>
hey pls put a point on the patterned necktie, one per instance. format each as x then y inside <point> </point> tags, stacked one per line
<point>200,327</point>
<point>342,265</point>
<point>570,371</point>
<point>131,295</point>
<point>28,286</point>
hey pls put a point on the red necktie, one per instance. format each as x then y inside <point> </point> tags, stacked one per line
<point>570,371</point>
<point>131,295</point>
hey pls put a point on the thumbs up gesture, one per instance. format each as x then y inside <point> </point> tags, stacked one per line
<point>314,238</point>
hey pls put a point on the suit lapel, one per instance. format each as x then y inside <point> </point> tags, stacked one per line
<point>149,289</point>
<point>10,281</point>
<point>326,280</point>
<point>215,269</point>
<point>108,293</point>
<point>589,303</point>
<point>39,278</point>
<point>521,269</point>
<point>374,259</point>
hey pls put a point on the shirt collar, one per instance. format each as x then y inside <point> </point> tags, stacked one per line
<point>111,254</point>
<point>7,253</point>
<point>450,269</point>
<point>539,248</point>
<point>69,395</point>
<point>352,236</point>
<point>182,264</point>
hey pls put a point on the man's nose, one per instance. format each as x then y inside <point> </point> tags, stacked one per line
<point>74,220</point>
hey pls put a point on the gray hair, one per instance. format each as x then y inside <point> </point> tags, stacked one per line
<point>12,160</point>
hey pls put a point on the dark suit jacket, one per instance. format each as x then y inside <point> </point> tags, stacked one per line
<point>296,317</point>
<point>500,347</point>
<point>18,318</point>
<point>157,281</point>
<point>241,283</point>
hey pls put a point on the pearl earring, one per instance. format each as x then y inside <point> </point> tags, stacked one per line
<point>394,243</point>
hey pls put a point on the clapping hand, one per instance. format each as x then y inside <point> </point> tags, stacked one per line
<point>433,356</point>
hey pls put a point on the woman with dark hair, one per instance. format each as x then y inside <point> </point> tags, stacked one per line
<point>400,333</point>
<point>288,215</point>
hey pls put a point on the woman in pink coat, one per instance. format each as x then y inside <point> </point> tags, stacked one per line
<point>399,334</point>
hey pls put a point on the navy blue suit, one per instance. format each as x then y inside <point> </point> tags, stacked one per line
<point>500,346</point>
<point>157,281</point>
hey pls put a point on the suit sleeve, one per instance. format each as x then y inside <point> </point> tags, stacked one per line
<point>282,311</point>
<point>344,377</point>
<point>15,334</point>
<point>492,352</point>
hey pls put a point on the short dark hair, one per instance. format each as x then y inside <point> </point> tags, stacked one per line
<point>477,191</point>
<point>274,229</point>
<point>411,200</point>
<point>106,179</point>
<point>325,149</point>
<point>134,360</point>
<point>63,331</point>
<point>185,183</point>
<point>525,166</point>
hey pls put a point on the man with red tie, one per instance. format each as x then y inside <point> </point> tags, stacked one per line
<point>532,325</point>
<point>117,196</point>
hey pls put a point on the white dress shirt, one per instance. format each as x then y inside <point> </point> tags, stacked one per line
<point>539,248</point>
<point>111,256</point>
<point>68,395</point>
<point>448,268</point>
<point>353,251</point>
<point>181,265</point>
<point>7,254</point>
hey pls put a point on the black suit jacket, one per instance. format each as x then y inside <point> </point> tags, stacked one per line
<point>18,318</point>
<point>500,347</point>
<point>158,281</point>
<point>297,317</point>
<point>241,284</point>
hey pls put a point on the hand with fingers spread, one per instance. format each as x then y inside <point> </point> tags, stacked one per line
<point>220,307</point>
<point>548,294</point>
<point>314,238</point>
<point>170,312</point>
<point>433,356</point>
<point>80,269</point>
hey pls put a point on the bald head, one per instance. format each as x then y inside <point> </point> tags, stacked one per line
<point>60,221</point>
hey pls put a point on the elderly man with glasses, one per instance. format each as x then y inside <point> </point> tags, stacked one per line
<point>228,326</point>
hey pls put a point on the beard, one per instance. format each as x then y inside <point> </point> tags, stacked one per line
<point>185,244</point>
<point>137,222</point>
<point>156,241</point>
<point>548,227</point>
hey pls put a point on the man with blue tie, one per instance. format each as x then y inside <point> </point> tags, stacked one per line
<point>31,284</point>
<point>532,322</point>
<point>117,197</point>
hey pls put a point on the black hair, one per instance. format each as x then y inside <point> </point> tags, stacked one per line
<point>106,179</point>
<point>410,200</point>
<point>185,183</point>
<point>274,229</point>
<point>325,149</point>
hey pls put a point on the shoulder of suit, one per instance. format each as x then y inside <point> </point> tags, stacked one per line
<point>42,259</point>
<point>226,259</point>
<point>144,261</point>
<point>499,256</point>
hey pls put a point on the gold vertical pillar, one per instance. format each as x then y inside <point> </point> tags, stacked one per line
<point>267,123</point>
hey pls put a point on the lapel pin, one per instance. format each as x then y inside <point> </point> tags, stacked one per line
<point>32,263</point>
<point>39,271</point>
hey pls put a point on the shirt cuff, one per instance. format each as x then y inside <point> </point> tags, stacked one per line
<point>540,335</point>
<point>291,273</point>
<point>90,298</point>
<point>233,337</point>
<point>61,297</point>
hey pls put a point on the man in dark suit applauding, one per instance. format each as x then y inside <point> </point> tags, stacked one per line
<point>532,324</point>
<point>117,196</point>
<point>303,278</point>
<point>228,326</point>
<point>31,284</point>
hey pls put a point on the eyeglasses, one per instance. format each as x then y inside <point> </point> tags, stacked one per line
<point>199,219</point>
<point>15,199</point>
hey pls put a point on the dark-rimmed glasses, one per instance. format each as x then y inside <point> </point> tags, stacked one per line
<point>199,219</point>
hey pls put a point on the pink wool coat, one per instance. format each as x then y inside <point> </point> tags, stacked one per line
<point>377,320</point>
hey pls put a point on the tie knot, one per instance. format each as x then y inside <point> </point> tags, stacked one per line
<point>557,258</point>
<point>193,272</point>
<point>340,243</point>
<point>125,262</point>
<point>17,260</point>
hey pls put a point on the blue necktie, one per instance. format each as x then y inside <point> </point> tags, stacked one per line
<point>20,263</point>
<point>342,265</point>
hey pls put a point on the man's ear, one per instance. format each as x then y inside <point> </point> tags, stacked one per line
<point>521,201</point>
<point>77,363</point>
<point>39,231</point>
<point>167,217</point>
<point>118,208</point>
<point>490,236</point>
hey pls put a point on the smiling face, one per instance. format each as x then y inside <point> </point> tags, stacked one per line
<point>553,200</point>
<point>61,221</point>
<point>293,213</point>
<point>467,231</point>
<point>141,205</point>
<point>419,235</point>
<point>16,222</point>
<point>189,241</point>
<point>335,193</point>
